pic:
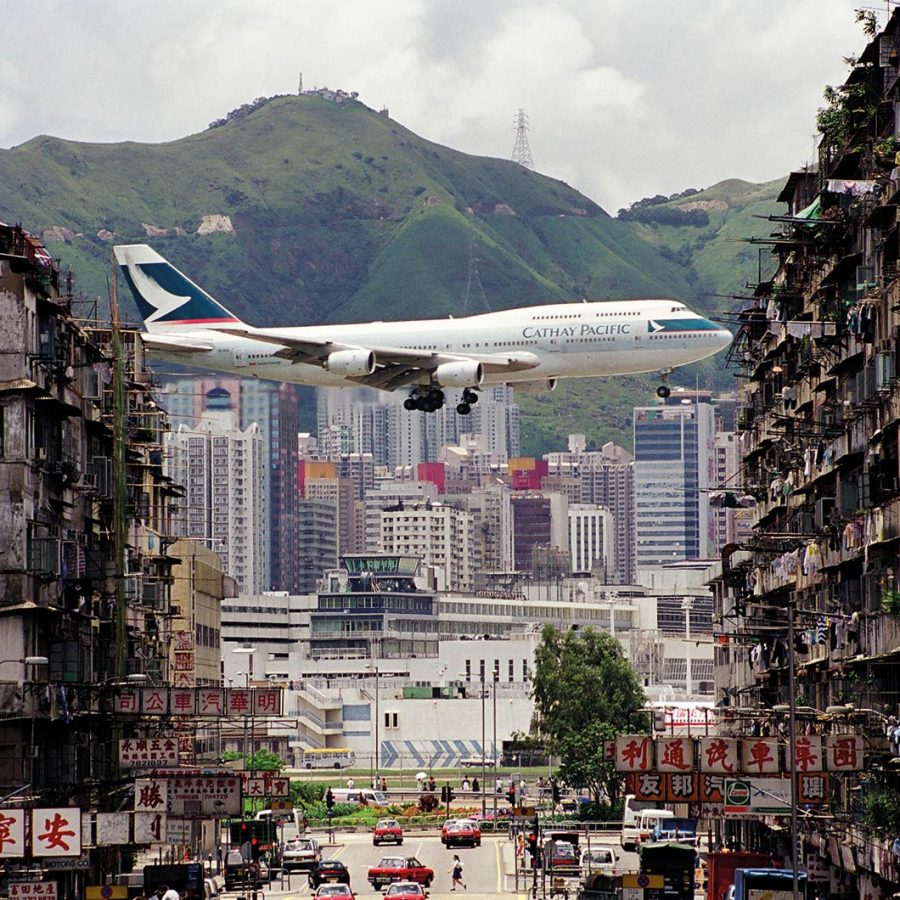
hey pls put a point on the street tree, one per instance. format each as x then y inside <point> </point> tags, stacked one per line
<point>586,692</point>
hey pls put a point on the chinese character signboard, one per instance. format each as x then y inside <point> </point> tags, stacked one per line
<point>150,794</point>
<point>634,753</point>
<point>148,753</point>
<point>843,752</point>
<point>12,833</point>
<point>204,795</point>
<point>183,699</point>
<point>808,753</point>
<point>671,787</point>
<point>719,755</point>
<point>32,890</point>
<point>760,756</point>
<point>149,828</point>
<point>772,796</point>
<point>56,831</point>
<point>675,754</point>
<point>267,786</point>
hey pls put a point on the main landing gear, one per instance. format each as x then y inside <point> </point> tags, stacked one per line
<point>469,399</point>
<point>663,391</point>
<point>431,399</point>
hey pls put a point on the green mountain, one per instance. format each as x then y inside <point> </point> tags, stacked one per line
<point>299,209</point>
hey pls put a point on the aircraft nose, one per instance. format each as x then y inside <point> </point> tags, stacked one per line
<point>723,338</point>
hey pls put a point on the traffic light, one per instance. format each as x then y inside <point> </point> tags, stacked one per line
<point>255,849</point>
<point>532,844</point>
<point>449,794</point>
<point>444,792</point>
<point>329,799</point>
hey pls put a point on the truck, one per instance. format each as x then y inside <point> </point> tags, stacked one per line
<point>720,866</point>
<point>773,884</point>
<point>186,878</point>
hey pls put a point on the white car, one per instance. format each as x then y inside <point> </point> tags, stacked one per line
<point>300,853</point>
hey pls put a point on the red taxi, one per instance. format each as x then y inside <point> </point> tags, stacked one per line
<point>462,832</point>
<point>400,868</point>
<point>406,890</point>
<point>387,830</point>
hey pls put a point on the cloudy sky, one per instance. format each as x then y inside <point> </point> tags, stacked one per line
<point>625,98</point>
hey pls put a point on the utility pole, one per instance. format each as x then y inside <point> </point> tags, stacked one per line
<point>521,150</point>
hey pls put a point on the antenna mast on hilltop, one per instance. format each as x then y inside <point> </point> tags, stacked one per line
<point>521,151</point>
<point>473,284</point>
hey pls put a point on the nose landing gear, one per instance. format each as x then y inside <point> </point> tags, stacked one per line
<point>664,391</point>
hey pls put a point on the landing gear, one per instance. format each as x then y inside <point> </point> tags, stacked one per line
<point>426,400</point>
<point>430,399</point>
<point>664,391</point>
<point>469,399</point>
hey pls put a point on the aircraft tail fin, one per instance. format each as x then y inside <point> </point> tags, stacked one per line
<point>166,299</point>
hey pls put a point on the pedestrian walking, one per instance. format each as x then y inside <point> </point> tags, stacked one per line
<point>171,894</point>
<point>350,783</point>
<point>456,873</point>
<point>465,784</point>
<point>475,785</point>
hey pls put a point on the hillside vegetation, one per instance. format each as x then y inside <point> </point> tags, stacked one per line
<point>302,210</point>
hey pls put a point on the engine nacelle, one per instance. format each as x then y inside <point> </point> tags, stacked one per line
<point>462,374</point>
<point>351,362</point>
<point>535,387</point>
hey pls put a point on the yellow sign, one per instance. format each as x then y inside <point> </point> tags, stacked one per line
<point>633,880</point>
<point>281,804</point>
<point>106,892</point>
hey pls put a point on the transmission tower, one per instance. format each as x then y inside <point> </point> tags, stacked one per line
<point>473,284</point>
<point>521,151</point>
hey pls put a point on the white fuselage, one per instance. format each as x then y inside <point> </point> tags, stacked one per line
<point>569,340</point>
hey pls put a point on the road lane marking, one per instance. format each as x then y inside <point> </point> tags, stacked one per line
<point>500,872</point>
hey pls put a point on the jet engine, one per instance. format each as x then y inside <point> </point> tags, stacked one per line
<point>535,387</point>
<point>465,373</point>
<point>351,362</point>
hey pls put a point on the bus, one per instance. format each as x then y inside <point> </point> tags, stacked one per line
<point>328,758</point>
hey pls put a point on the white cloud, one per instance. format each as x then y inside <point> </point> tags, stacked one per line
<point>624,98</point>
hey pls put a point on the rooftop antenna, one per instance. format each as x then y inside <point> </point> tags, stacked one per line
<point>473,284</point>
<point>521,151</point>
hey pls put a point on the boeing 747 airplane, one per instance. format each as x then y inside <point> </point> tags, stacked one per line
<point>528,348</point>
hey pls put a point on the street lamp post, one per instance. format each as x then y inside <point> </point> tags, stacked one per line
<point>377,758</point>
<point>494,745</point>
<point>249,652</point>
<point>792,737</point>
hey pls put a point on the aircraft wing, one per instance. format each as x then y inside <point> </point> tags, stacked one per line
<point>395,366</point>
<point>180,344</point>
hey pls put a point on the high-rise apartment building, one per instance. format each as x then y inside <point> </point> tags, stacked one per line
<point>606,479</point>
<point>440,535</point>
<point>318,549</point>
<point>223,471</point>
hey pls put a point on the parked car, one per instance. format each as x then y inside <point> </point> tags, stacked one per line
<point>387,830</point>
<point>328,871</point>
<point>334,892</point>
<point>399,868</point>
<point>480,762</point>
<point>463,832</point>
<point>406,890</point>
<point>300,853</point>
